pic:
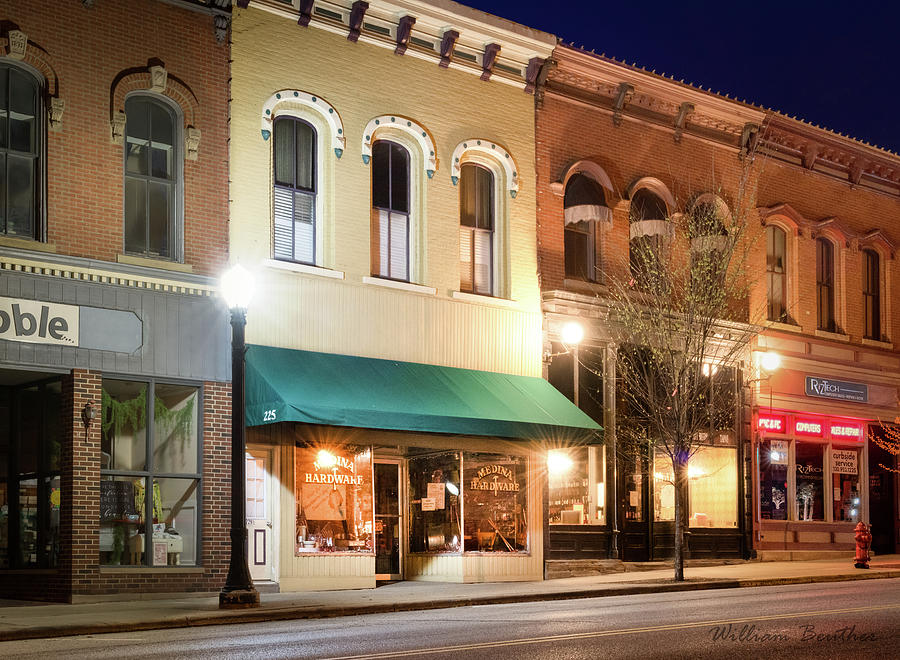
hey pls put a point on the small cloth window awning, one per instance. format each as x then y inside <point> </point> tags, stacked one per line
<point>342,390</point>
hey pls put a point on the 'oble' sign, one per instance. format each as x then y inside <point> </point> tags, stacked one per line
<point>38,322</point>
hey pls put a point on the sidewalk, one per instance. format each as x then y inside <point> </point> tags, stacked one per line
<point>27,620</point>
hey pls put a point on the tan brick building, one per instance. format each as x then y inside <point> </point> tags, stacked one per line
<point>114,382</point>
<point>611,139</point>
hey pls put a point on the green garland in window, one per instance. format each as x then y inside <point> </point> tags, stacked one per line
<point>131,414</point>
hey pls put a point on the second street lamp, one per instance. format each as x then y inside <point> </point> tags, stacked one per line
<point>238,592</point>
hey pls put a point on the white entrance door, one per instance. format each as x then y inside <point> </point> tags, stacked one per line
<point>259,513</point>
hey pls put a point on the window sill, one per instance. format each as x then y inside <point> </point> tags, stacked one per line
<point>153,263</point>
<point>306,269</point>
<point>786,327</point>
<point>483,299</point>
<point>106,570</point>
<point>874,343</point>
<point>402,286</point>
<point>584,286</point>
<point>836,336</point>
<point>26,244</point>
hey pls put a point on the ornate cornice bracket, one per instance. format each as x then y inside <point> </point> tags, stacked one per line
<point>404,30</point>
<point>684,111</point>
<point>625,91</point>
<point>306,8</point>
<point>487,60</point>
<point>448,43</point>
<point>357,14</point>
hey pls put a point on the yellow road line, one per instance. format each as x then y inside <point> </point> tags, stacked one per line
<point>610,633</point>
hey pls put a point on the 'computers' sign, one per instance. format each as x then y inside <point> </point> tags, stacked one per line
<point>38,322</point>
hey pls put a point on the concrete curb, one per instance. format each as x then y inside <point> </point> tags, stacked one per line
<point>315,612</point>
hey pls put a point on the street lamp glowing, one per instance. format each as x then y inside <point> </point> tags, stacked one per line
<point>558,462</point>
<point>237,287</point>
<point>572,333</point>
<point>770,361</point>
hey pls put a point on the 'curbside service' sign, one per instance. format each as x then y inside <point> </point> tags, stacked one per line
<point>38,322</point>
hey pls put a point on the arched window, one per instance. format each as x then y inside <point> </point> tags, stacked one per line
<point>825,284</point>
<point>294,190</point>
<point>776,280</point>
<point>584,204</point>
<point>390,211</point>
<point>21,137</point>
<point>872,294</point>
<point>649,220</point>
<point>476,229</point>
<point>152,177</point>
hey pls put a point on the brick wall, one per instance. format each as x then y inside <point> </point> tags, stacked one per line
<point>87,50</point>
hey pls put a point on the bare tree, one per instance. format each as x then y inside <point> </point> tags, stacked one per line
<point>889,440</point>
<point>680,314</point>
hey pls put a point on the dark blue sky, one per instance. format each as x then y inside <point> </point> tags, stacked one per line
<point>833,64</point>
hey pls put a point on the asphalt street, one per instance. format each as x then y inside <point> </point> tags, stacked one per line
<point>835,620</point>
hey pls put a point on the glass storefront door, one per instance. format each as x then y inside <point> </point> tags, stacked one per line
<point>388,522</point>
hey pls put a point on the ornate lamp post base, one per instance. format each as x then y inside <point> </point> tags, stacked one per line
<point>239,599</point>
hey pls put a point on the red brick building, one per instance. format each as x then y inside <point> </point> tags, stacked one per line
<point>619,152</point>
<point>114,379</point>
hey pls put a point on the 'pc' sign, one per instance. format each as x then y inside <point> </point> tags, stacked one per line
<point>38,322</point>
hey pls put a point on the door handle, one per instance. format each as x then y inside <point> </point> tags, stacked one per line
<point>269,524</point>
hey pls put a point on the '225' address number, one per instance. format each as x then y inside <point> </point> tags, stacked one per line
<point>268,415</point>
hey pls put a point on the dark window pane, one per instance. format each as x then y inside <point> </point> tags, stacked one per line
<point>576,251</point>
<point>306,150</point>
<point>582,190</point>
<point>646,205</point>
<point>22,111</point>
<point>4,105</point>
<point>399,179</point>
<point>484,181</point>
<point>162,161</point>
<point>162,125</point>
<point>284,152</point>
<point>136,156</point>
<point>381,180</point>
<point>2,193</point>
<point>468,214</point>
<point>137,118</point>
<point>20,178</point>
<point>160,218</point>
<point>135,215</point>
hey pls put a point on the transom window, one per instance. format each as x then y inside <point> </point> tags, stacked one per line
<point>775,273</point>
<point>390,211</point>
<point>476,229</point>
<point>825,284</point>
<point>295,191</point>
<point>151,177</point>
<point>20,145</point>
<point>872,294</point>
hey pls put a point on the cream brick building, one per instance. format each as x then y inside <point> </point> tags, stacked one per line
<point>449,87</point>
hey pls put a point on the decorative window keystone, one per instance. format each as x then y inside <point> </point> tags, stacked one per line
<point>18,42</point>
<point>191,143</point>
<point>158,79</point>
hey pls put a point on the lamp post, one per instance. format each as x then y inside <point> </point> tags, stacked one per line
<point>238,592</point>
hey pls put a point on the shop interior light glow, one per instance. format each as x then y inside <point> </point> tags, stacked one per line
<point>452,488</point>
<point>326,459</point>
<point>572,333</point>
<point>558,462</point>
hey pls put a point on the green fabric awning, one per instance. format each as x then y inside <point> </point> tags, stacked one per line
<point>342,390</point>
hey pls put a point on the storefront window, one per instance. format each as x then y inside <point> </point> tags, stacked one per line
<point>333,491</point>
<point>434,488</point>
<point>773,477</point>
<point>713,477</point>
<point>29,475</point>
<point>495,489</point>
<point>577,486</point>
<point>633,491</point>
<point>845,484</point>
<point>147,519</point>
<point>810,501</point>
<point>663,488</point>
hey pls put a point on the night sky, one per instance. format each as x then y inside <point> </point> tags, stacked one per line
<point>832,64</point>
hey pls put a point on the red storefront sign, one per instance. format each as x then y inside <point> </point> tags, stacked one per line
<point>807,427</point>
<point>846,430</point>
<point>772,423</point>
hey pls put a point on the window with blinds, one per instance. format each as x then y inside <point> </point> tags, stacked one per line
<point>775,273</point>
<point>390,211</point>
<point>294,230</point>
<point>825,284</point>
<point>476,229</point>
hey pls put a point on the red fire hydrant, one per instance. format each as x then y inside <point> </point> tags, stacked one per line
<point>863,540</point>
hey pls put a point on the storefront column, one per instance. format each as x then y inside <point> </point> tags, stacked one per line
<point>609,430</point>
<point>79,483</point>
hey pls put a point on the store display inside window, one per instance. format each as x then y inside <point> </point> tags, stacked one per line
<point>494,501</point>
<point>845,484</point>
<point>663,488</point>
<point>333,492</point>
<point>577,489</point>
<point>773,477</point>
<point>169,515</point>
<point>713,477</point>
<point>434,489</point>
<point>809,503</point>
